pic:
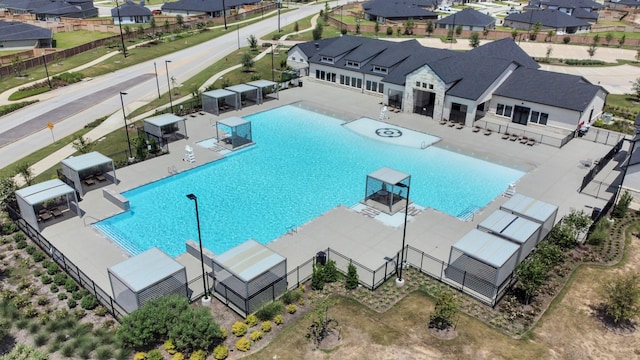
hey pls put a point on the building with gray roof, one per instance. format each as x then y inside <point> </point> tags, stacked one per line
<point>14,34</point>
<point>51,10</point>
<point>587,10</point>
<point>400,10</point>
<point>131,13</point>
<point>498,78</point>
<point>468,19</point>
<point>550,19</point>
<point>211,8</point>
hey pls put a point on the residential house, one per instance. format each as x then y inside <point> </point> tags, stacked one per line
<point>550,19</point>
<point>587,10</point>
<point>497,78</point>
<point>131,13</point>
<point>211,8</point>
<point>468,19</point>
<point>14,34</point>
<point>51,10</point>
<point>400,10</point>
<point>622,4</point>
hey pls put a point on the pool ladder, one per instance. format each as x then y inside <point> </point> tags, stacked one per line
<point>293,229</point>
<point>172,170</point>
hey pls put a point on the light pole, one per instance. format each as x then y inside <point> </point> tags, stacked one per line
<point>166,65</point>
<point>204,279</point>
<point>126,130</point>
<point>124,48</point>
<point>46,69</point>
<point>155,68</point>
<point>224,14</point>
<point>399,280</point>
<point>279,4</point>
<point>238,31</point>
<point>272,76</point>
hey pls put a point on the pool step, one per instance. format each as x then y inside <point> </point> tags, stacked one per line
<point>413,211</point>
<point>370,212</point>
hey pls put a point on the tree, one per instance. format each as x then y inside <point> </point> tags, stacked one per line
<point>253,42</point>
<point>247,62</point>
<point>7,191</point>
<point>166,26</point>
<point>474,40</point>
<point>321,326</point>
<point>317,277</point>
<point>330,272</point>
<point>296,27</point>
<point>535,29</point>
<point>550,35</point>
<point>620,209</point>
<point>409,25</point>
<point>622,39</point>
<point>127,29</point>
<point>24,169</point>
<point>152,25</point>
<point>17,65</point>
<point>531,274</point>
<point>592,50</point>
<point>514,34</point>
<point>608,38</point>
<point>317,32</point>
<point>445,310</point>
<point>563,235</point>
<point>376,29</point>
<point>325,15</point>
<point>180,20</point>
<point>429,28</point>
<point>549,51</point>
<point>638,55</point>
<point>82,144</point>
<point>398,31</point>
<point>622,298</point>
<point>195,329</point>
<point>596,39</point>
<point>352,277</point>
<point>485,33</point>
<point>458,30</point>
<point>579,221</point>
<point>358,27</point>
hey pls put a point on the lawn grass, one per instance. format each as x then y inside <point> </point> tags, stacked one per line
<point>629,102</point>
<point>303,24</point>
<point>69,39</point>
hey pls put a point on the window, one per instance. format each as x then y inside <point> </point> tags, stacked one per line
<point>326,59</point>
<point>430,86</point>
<point>381,88</point>
<point>359,83</point>
<point>353,64</point>
<point>424,85</point>
<point>368,85</point>
<point>353,82</point>
<point>504,110</point>
<point>380,69</point>
<point>417,83</point>
<point>293,58</point>
<point>539,118</point>
<point>341,79</point>
<point>317,74</point>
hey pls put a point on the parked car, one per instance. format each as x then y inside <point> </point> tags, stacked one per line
<point>444,8</point>
<point>513,11</point>
<point>156,12</point>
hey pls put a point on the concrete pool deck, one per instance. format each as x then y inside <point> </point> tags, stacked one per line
<point>553,175</point>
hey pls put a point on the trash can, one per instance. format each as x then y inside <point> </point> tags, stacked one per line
<point>595,213</point>
<point>300,83</point>
<point>321,258</point>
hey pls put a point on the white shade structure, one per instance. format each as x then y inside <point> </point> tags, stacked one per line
<point>87,166</point>
<point>31,200</point>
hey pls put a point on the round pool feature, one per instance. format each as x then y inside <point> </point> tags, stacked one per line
<point>389,132</point>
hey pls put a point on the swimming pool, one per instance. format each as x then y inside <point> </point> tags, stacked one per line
<point>303,164</point>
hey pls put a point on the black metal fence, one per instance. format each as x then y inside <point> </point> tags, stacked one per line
<point>600,164</point>
<point>67,265</point>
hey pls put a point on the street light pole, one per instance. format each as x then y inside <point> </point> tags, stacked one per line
<point>279,4</point>
<point>157,82</point>
<point>204,279</point>
<point>224,14</point>
<point>124,48</point>
<point>238,31</point>
<point>399,280</point>
<point>166,65</point>
<point>272,76</point>
<point>46,69</point>
<point>126,130</point>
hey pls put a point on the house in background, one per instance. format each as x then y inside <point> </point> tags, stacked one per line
<point>400,10</point>
<point>468,19</point>
<point>52,10</point>
<point>587,10</point>
<point>497,79</point>
<point>212,8</point>
<point>16,35</point>
<point>131,13</point>
<point>550,19</point>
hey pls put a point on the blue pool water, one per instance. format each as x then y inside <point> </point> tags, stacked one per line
<point>303,164</point>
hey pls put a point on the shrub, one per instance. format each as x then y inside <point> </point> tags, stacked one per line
<point>42,301</point>
<point>21,244</point>
<point>270,310</point>
<point>170,347</point>
<point>155,354</point>
<point>243,344</point>
<point>220,352</point>
<point>41,339</point>
<point>70,285</point>
<point>599,233</point>
<point>89,302</point>
<point>620,209</point>
<point>140,356</point>
<point>62,296</point>
<point>251,320</point>
<point>38,256</point>
<point>30,249</point>
<point>291,297</point>
<point>223,333</point>
<point>104,353</point>
<point>291,309</point>
<point>178,356</point>
<point>266,326</point>
<point>352,277</point>
<point>331,273</point>
<point>239,328</point>
<point>71,303</point>
<point>19,237</point>
<point>59,279</point>
<point>77,295</point>
<point>46,279</point>
<point>53,269</point>
<point>256,335</point>
<point>101,311</point>
<point>445,310</point>
<point>278,319</point>
<point>389,31</point>
<point>566,39</point>
<point>198,355</point>
<point>317,277</point>
<point>622,298</point>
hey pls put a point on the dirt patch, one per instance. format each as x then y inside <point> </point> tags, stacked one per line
<point>444,334</point>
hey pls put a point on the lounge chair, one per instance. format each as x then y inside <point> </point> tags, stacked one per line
<point>44,216</point>
<point>460,126</point>
<point>452,123</point>
<point>487,132</point>
<point>531,142</point>
<point>89,181</point>
<point>56,212</point>
<point>513,137</point>
<point>476,129</point>
<point>524,140</point>
<point>443,122</point>
<point>506,136</point>
<point>100,177</point>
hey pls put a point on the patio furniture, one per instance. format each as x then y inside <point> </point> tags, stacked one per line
<point>531,142</point>
<point>477,129</point>
<point>56,212</point>
<point>100,177</point>
<point>487,132</point>
<point>506,136</point>
<point>514,137</point>
<point>89,181</point>
<point>524,140</point>
<point>452,123</point>
<point>443,122</point>
<point>460,126</point>
<point>44,216</point>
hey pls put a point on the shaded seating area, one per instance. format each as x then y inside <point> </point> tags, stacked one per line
<point>146,276</point>
<point>220,100</point>
<point>88,170</point>
<point>386,189</point>
<point>166,128</point>
<point>47,200</point>
<point>266,89</point>
<point>248,276</point>
<point>245,93</point>
<point>234,131</point>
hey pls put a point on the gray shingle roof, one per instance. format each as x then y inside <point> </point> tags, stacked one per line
<point>62,8</point>
<point>131,9</point>
<point>391,9</point>
<point>567,91</point>
<point>205,6</point>
<point>468,17</point>
<point>506,49</point>
<point>12,31</point>
<point>27,5</point>
<point>572,4</point>
<point>548,18</point>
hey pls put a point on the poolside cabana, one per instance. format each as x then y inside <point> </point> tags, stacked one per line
<point>531,209</point>
<point>88,170</point>
<point>482,262</point>
<point>518,230</point>
<point>147,276</point>
<point>266,88</point>
<point>43,201</point>
<point>234,131</point>
<point>245,92</point>
<point>385,190</point>
<point>249,275</point>
<point>166,127</point>
<point>219,100</point>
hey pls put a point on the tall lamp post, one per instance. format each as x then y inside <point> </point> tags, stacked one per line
<point>126,130</point>
<point>155,68</point>
<point>166,65</point>
<point>204,279</point>
<point>124,48</point>
<point>400,280</point>
<point>224,14</point>
<point>272,75</point>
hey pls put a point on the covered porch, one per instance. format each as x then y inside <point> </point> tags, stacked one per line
<point>46,201</point>
<point>386,190</point>
<point>266,89</point>
<point>216,101</point>
<point>166,128</point>
<point>245,93</point>
<point>89,171</point>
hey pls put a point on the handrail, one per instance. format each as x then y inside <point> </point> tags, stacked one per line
<point>84,219</point>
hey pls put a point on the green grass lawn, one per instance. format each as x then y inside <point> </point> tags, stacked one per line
<point>303,24</point>
<point>66,40</point>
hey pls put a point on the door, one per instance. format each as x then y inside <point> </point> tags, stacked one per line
<point>521,114</point>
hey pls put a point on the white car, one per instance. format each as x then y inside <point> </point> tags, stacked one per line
<point>513,11</point>
<point>445,8</point>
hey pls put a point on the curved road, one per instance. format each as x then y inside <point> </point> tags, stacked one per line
<point>72,107</point>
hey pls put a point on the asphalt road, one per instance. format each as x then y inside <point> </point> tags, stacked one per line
<point>101,95</point>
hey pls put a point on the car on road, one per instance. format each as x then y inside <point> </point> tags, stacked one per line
<point>444,8</point>
<point>513,11</point>
<point>156,12</point>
